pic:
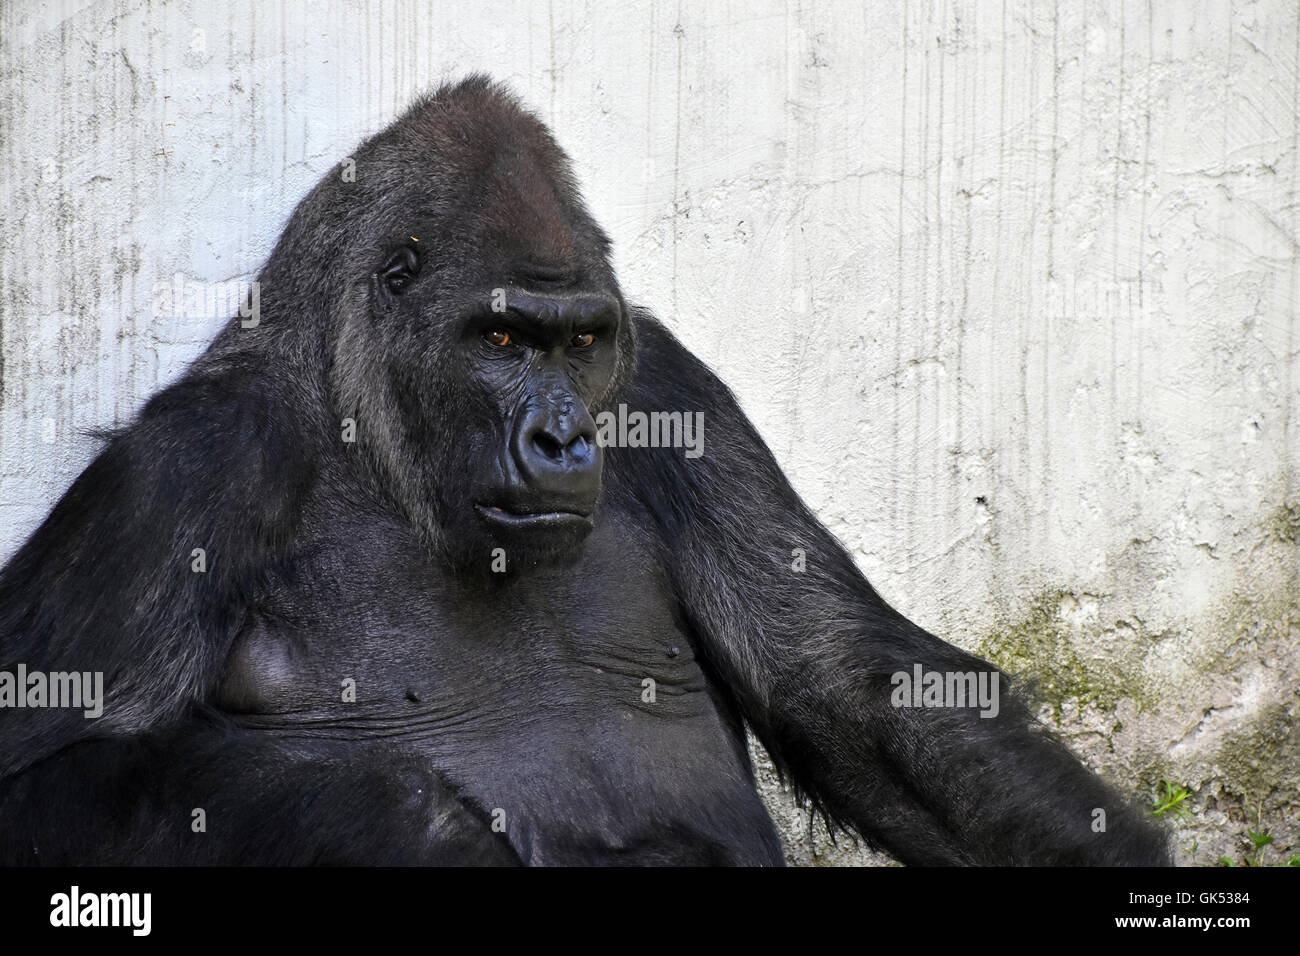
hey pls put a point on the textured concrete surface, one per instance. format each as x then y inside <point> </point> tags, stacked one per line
<point>1011,292</point>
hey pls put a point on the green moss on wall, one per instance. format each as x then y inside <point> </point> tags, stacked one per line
<point>1039,648</point>
<point>1262,757</point>
<point>1284,523</point>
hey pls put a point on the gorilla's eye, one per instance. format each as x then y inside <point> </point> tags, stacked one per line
<point>582,340</point>
<point>498,337</point>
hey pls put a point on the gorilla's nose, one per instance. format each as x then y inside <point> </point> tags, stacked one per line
<point>557,454</point>
<point>556,450</point>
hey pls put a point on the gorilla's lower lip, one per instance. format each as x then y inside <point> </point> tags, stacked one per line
<point>531,519</point>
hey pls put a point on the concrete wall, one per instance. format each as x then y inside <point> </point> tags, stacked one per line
<point>1011,292</point>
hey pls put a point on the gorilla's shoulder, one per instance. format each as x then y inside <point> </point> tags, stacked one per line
<point>667,375</point>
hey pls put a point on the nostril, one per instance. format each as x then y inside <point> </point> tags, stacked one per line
<point>548,446</point>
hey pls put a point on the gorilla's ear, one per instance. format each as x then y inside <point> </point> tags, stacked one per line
<point>400,270</point>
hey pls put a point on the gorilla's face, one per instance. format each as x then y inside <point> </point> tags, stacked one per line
<point>481,333</point>
<point>498,368</point>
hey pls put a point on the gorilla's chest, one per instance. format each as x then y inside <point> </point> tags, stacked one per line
<point>571,699</point>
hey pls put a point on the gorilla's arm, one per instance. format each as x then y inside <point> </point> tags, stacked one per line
<point>808,656</point>
<point>132,800</point>
<point>107,583</point>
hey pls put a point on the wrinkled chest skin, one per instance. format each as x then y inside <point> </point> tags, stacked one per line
<point>532,696</point>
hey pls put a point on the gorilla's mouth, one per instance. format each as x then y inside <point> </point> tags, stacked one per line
<point>540,520</point>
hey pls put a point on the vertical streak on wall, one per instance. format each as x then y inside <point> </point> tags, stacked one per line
<point>680,37</point>
<point>993,408</point>
<point>1030,439</point>
<point>555,66</point>
<point>1050,536</point>
<point>1147,97</point>
<point>932,348</point>
<point>895,450</point>
<point>1117,400</point>
<point>1290,420</point>
<point>921,309</point>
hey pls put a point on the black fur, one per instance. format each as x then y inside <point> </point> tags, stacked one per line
<point>512,697</point>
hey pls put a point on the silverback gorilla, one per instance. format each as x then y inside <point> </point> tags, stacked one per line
<point>366,585</point>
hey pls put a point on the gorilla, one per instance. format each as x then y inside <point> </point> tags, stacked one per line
<point>373,583</point>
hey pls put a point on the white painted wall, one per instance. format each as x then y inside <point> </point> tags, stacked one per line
<point>1010,292</point>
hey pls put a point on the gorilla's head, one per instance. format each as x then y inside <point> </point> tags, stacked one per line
<point>475,327</point>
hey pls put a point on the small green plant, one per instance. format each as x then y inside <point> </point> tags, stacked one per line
<point>1171,801</point>
<point>1255,855</point>
<point>1259,840</point>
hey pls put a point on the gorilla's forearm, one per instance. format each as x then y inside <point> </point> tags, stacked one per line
<point>944,784</point>
<point>207,793</point>
<point>810,651</point>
